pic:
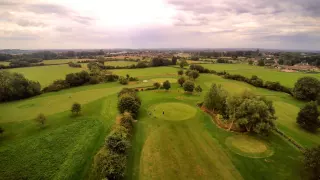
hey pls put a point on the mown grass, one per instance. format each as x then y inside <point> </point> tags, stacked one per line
<point>45,75</point>
<point>267,74</point>
<point>195,148</point>
<point>119,63</point>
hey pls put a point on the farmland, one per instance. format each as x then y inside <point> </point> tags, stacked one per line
<point>185,144</point>
<point>267,74</point>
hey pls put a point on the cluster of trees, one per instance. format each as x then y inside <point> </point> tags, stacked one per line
<point>14,86</point>
<point>307,89</point>
<point>159,61</point>
<point>127,79</point>
<point>311,163</point>
<point>247,111</point>
<point>222,60</point>
<point>234,54</point>
<point>111,160</point>
<point>308,117</point>
<point>75,65</point>
<point>188,84</point>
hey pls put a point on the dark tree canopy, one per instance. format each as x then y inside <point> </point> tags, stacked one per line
<point>307,88</point>
<point>181,80</point>
<point>308,117</point>
<point>166,85</point>
<point>215,99</point>
<point>180,72</point>
<point>76,108</point>
<point>312,163</point>
<point>129,103</point>
<point>188,86</point>
<point>193,74</point>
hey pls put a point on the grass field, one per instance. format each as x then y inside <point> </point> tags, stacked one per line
<point>4,63</point>
<point>285,78</point>
<point>45,75</point>
<point>119,63</point>
<point>62,61</point>
<point>181,145</point>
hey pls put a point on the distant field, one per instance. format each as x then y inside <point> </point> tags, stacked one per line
<point>285,78</point>
<point>147,72</point>
<point>119,63</point>
<point>4,63</point>
<point>46,74</point>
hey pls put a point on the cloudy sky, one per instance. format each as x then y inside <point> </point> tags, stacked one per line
<point>283,24</point>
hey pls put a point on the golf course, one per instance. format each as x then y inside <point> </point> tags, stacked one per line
<point>173,138</point>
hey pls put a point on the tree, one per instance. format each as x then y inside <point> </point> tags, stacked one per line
<point>250,62</point>
<point>123,80</point>
<point>1,130</point>
<point>129,103</point>
<point>183,63</point>
<point>261,62</point>
<point>251,112</point>
<point>128,76</point>
<point>198,89</point>
<point>181,80</point>
<point>76,108</point>
<point>312,163</point>
<point>308,117</point>
<point>174,60</point>
<point>215,99</point>
<point>41,119</point>
<point>166,85</point>
<point>126,121</point>
<point>156,85</point>
<point>188,86</point>
<point>117,140</point>
<point>180,72</point>
<point>306,88</point>
<point>193,74</point>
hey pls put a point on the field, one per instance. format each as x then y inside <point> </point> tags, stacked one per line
<point>45,75</point>
<point>285,78</point>
<point>166,145</point>
<point>4,63</point>
<point>119,63</point>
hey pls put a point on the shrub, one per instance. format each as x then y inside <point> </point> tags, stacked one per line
<point>306,88</point>
<point>126,121</point>
<point>94,80</point>
<point>312,163</point>
<point>142,64</point>
<point>1,130</point>
<point>123,80</point>
<point>193,74</point>
<point>256,81</point>
<point>117,141</point>
<point>78,79</point>
<point>198,89</point>
<point>75,65</point>
<point>261,62</point>
<point>156,85</point>
<point>181,80</point>
<point>198,68</point>
<point>166,85</point>
<point>129,103</point>
<point>41,119</point>
<point>133,79</point>
<point>180,72</point>
<point>188,86</point>
<point>57,85</point>
<point>308,117</point>
<point>110,165</point>
<point>183,63</point>
<point>76,108</point>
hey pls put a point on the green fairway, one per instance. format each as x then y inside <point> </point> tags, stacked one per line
<point>267,74</point>
<point>46,74</point>
<point>172,111</point>
<point>119,63</point>
<point>195,148</point>
<point>161,80</point>
<point>147,72</point>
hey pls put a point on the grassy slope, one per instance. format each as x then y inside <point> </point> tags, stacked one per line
<point>4,63</point>
<point>45,75</point>
<point>286,79</point>
<point>195,148</point>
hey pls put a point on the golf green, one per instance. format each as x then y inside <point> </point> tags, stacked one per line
<point>249,146</point>
<point>172,111</point>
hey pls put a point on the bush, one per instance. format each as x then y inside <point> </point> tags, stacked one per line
<point>166,85</point>
<point>94,80</point>
<point>261,62</point>
<point>142,64</point>
<point>76,108</point>
<point>126,121</point>
<point>78,79</point>
<point>123,80</point>
<point>308,117</point>
<point>255,81</point>
<point>198,89</point>
<point>193,74</point>
<point>14,86</point>
<point>307,88</point>
<point>129,103</point>
<point>312,163</point>
<point>180,72</point>
<point>57,85</point>
<point>75,65</point>
<point>156,85</point>
<point>188,86</point>
<point>133,79</point>
<point>181,80</point>
<point>41,119</point>
<point>198,68</point>
<point>1,130</point>
<point>117,140</point>
<point>109,165</point>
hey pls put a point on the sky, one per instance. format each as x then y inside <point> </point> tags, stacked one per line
<point>102,24</point>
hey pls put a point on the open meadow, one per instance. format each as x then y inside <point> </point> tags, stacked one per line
<point>173,138</point>
<point>267,74</point>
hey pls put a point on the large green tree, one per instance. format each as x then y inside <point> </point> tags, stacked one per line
<point>166,85</point>
<point>215,99</point>
<point>307,88</point>
<point>129,103</point>
<point>181,80</point>
<point>188,86</point>
<point>308,117</point>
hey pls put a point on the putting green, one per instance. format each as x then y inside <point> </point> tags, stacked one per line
<point>161,80</point>
<point>172,111</point>
<point>248,146</point>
